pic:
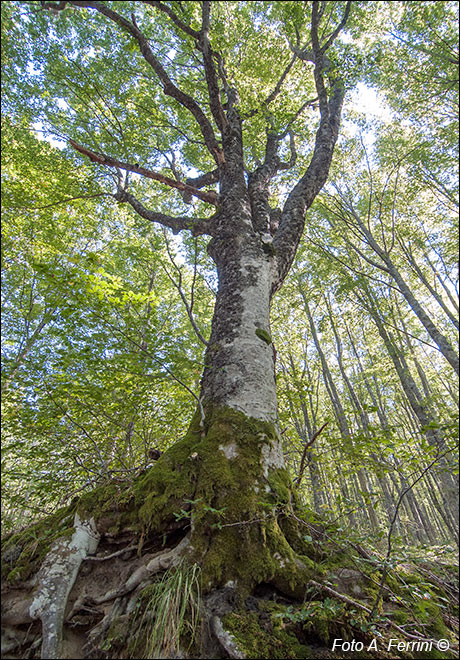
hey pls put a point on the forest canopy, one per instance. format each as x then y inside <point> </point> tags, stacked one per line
<point>240,206</point>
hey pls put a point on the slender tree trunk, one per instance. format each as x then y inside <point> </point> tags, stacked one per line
<point>441,341</point>
<point>453,317</point>
<point>340,413</point>
<point>425,319</point>
<point>423,416</point>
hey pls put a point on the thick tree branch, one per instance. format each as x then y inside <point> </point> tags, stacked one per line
<point>258,184</point>
<point>202,39</point>
<point>303,194</point>
<point>210,197</point>
<point>206,179</point>
<point>197,226</point>
<point>292,160</point>
<point>338,29</point>
<point>174,17</point>
<point>210,70</point>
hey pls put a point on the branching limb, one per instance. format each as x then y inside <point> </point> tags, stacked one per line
<point>207,179</point>
<point>174,17</point>
<point>202,180</point>
<point>178,286</point>
<point>338,29</point>
<point>210,70</point>
<point>305,450</point>
<point>303,194</point>
<point>292,160</point>
<point>197,226</point>
<point>210,197</point>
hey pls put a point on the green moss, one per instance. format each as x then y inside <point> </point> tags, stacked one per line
<point>29,546</point>
<point>256,642</point>
<point>269,249</point>
<point>244,543</point>
<point>264,335</point>
<point>118,634</point>
<point>401,616</point>
<point>411,578</point>
<point>430,614</point>
<point>15,575</point>
<point>281,486</point>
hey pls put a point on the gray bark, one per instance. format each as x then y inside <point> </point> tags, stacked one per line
<point>441,341</point>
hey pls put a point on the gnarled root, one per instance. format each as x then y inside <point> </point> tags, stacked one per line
<point>160,562</point>
<point>55,580</point>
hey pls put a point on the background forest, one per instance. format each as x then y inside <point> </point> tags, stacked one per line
<point>106,315</point>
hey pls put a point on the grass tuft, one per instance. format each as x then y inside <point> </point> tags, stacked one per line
<point>170,612</point>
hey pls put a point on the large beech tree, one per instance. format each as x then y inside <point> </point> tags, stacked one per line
<point>217,122</point>
<point>252,242</point>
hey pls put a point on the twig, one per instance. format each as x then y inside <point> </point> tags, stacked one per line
<point>114,554</point>
<point>354,603</point>
<point>304,453</point>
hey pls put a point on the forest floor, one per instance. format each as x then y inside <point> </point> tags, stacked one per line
<point>133,594</point>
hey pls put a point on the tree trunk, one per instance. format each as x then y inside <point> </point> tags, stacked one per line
<point>239,363</point>
<point>340,416</point>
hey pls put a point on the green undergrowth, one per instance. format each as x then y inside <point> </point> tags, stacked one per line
<point>308,630</point>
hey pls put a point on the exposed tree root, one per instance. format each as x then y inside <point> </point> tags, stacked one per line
<point>225,639</point>
<point>55,581</point>
<point>161,562</point>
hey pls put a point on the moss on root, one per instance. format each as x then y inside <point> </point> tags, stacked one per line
<point>213,481</point>
<point>257,637</point>
<point>24,551</point>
